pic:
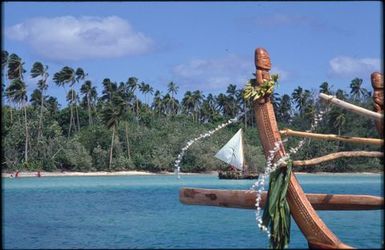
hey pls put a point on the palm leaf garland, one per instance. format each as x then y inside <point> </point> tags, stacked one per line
<point>277,212</point>
<point>254,92</point>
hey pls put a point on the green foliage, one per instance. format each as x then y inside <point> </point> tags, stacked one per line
<point>74,157</point>
<point>150,135</point>
<point>276,214</point>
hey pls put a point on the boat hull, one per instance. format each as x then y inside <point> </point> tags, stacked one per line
<point>235,175</point>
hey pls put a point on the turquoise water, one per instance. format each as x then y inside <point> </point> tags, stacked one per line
<point>145,212</point>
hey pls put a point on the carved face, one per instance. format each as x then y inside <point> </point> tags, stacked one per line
<point>377,80</point>
<point>262,59</point>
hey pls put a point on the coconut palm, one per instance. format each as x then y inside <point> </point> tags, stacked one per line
<point>88,92</point>
<point>112,113</point>
<point>15,71</point>
<point>79,75</point>
<point>38,70</point>
<point>301,98</point>
<point>35,99</point>
<point>17,92</point>
<point>188,103</point>
<point>157,104</point>
<point>173,90</point>
<point>340,94</point>
<point>325,88</point>
<point>357,91</point>
<point>132,82</point>
<point>145,89</point>
<point>285,108</point>
<point>52,105</point>
<point>275,101</point>
<point>198,99</point>
<point>232,98</point>
<point>4,60</point>
<point>66,76</point>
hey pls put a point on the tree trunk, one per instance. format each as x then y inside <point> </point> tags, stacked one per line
<point>10,109</point>
<point>71,118</point>
<point>89,110</point>
<point>112,146</point>
<point>41,117</point>
<point>128,143</point>
<point>26,134</point>
<point>77,116</point>
<point>76,110</point>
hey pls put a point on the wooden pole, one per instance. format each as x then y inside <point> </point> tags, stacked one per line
<point>337,155</point>
<point>352,108</point>
<point>246,199</point>
<point>361,140</point>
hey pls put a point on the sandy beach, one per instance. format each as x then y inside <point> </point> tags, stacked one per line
<point>98,173</point>
<point>132,173</point>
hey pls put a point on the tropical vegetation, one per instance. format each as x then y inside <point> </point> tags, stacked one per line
<point>117,130</point>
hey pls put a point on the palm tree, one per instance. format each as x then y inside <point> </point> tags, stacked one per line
<point>340,94</point>
<point>79,75</point>
<point>112,113</point>
<point>4,60</point>
<point>275,101</point>
<point>66,76</point>
<point>89,92</point>
<point>157,102</point>
<point>52,104</point>
<point>357,91</point>
<point>145,89</point>
<point>173,90</point>
<point>39,70</point>
<point>198,98</point>
<point>132,82</point>
<point>324,88</point>
<point>15,71</point>
<point>35,99</point>
<point>285,108</point>
<point>188,103</point>
<point>17,92</point>
<point>232,99</point>
<point>301,98</point>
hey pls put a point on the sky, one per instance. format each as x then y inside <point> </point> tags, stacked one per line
<point>198,45</point>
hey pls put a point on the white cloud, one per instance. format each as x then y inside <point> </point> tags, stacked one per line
<point>344,66</point>
<point>214,74</point>
<point>71,38</point>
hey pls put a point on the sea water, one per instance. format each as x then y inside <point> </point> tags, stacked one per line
<point>145,212</point>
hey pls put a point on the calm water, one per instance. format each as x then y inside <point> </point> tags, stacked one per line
<point>145,212</point>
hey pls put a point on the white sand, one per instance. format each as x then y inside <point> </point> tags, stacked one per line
<point>99,173</point>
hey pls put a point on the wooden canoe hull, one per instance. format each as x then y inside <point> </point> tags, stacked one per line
<point>246,199</point>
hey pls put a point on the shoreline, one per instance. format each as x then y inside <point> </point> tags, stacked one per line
<point>145,173</point>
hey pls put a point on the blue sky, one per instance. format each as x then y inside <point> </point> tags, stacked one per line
<point>199,45</point>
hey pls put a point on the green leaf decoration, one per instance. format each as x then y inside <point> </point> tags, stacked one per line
<point>254,92</point>
<point>276,214</point>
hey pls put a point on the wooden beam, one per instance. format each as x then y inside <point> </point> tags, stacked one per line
<point>246,199</point>
<point>361,140</point>
<point>337,155</point>
<point>353,108</point>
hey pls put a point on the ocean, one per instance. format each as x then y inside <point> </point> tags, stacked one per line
<point>144,212</point>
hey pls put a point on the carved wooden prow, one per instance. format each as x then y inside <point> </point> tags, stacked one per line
<point>378,98</point>
<point>314,229</point>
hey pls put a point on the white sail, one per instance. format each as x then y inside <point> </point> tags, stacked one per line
<point>232,152</point>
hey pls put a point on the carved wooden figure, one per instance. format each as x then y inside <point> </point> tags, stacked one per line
<point>378,98</point>
<point>314,229</point>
